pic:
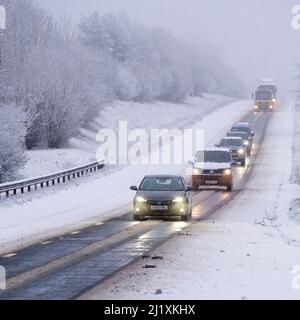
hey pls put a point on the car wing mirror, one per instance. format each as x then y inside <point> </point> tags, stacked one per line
<point>233,163</point>
<point>189,189</point>
<point>134,188</point>
<point>217,145</point>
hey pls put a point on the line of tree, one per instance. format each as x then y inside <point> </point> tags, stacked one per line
<point>58,76</point>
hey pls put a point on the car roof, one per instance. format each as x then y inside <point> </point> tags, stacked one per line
<point>241,133</point>
<point>162,176</point>
<point>232,138</point>
<point>214,149</point>
<point>242,124</point>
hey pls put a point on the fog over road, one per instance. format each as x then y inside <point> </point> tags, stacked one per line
<point>254,37</point>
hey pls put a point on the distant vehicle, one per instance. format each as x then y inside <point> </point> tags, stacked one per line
<point>264,100</point>
<point>267,81</point>
<point>243,127</point>
<point>268,84</point>
<point>236,147</point>
<point>213,167</point>
<point>162,196</point>
<point>247,142</point>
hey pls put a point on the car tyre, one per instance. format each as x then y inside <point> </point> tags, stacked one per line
<point>137,217</point>
<point>229,187</point>
<point>185,218</point>
<point>195,186</point>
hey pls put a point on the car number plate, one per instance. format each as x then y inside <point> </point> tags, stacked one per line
<point>211,182</point>
<point>159,208</point>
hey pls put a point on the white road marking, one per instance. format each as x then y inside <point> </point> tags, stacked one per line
<point>10,255</point>
<point>75,232</point>
<point>46,242</point>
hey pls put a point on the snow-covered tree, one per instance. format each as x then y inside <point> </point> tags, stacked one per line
<point>11,141</point>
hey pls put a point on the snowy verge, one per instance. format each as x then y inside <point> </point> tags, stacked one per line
<point>53,214</point>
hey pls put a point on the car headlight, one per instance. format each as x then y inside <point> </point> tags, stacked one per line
<point>140,199</point>
<point>256,107</point>
<point>227,172</point>
<point>178,200</point>
<point>196,171</point>
<point>274,100</point>
<point>246,143</point>
<point>241,151</point>
<point>271,107</point>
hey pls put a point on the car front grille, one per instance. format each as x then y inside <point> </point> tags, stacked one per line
<point>212,172</point>
<point>159,202</point>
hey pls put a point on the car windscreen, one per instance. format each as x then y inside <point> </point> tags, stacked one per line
<point>213,156</point>
<point>231,142</point>
<point>241,129</point>
<point>242,135</point>
<point>267,88</point>
<point>264,95</point>
<point>162,184</point>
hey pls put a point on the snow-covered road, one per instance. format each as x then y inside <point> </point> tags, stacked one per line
<point>98,200</point>
<point>240,252</point>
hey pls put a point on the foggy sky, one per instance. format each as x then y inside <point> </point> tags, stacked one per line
<point>253,36</point>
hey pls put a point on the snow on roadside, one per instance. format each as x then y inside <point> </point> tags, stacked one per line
<point>240,252</point>
<point>53,214</point>
<point>82,149</point>
<point>148,116</point>
<point>43,162</point>
<point>290,189</point>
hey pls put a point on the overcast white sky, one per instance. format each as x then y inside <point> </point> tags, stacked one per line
<point>254,36</point>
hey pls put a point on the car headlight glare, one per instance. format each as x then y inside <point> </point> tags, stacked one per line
<point>256,107</point>
<point>178,200</point>
<point>246,143</point>
<point>140,199</point>
<point>227,172</point>
<point>241,151</point>
<point>196,171</point>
